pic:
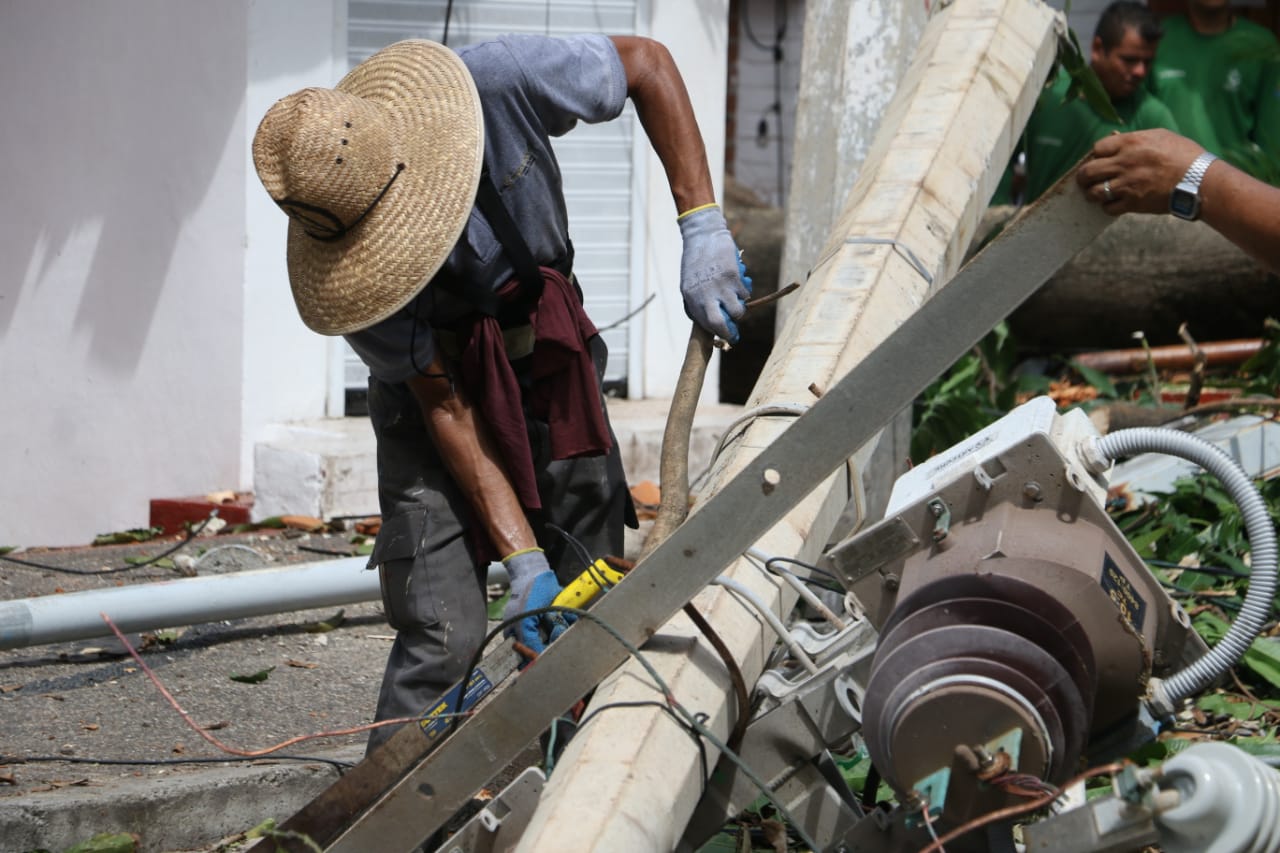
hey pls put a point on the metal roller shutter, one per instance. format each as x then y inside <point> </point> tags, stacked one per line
<point>596,160</point>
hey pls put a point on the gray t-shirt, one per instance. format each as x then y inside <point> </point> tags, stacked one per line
<point>531,88</point>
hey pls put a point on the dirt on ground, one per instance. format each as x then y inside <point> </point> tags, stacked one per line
<point>85,716</point>
<point>251,683</point>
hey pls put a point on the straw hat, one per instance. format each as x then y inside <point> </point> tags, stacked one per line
<point>378,176</point>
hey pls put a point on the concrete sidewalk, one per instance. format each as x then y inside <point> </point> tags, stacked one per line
<point>92,745</point>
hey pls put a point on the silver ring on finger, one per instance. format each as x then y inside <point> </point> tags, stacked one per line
<point>1106,190</point>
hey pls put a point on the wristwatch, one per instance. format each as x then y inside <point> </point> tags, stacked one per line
<point>1185,201</point>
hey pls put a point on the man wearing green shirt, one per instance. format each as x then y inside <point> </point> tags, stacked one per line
<point>1061,131</point>
<point>1217,73</point>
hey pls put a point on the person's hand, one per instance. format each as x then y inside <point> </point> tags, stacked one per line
<point>533,586</point>
<point>1136,172</point>
<point>713,279</point>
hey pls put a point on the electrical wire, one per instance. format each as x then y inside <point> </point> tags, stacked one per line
<point>574,543</point>
<point>928,824</point>
<point>870,787</point>
<point>780,18</point>
<point>741,694</point>
<point>1015,811</point>
<point>338,765</point>
<point>751,33</point>
<point>616,323</point>
<point>1023,785</point>
<point>768,564</point>
<point>689,718</point>
<point>665,708</point>
<point>448,13</point>
<point>231,750</point>
<point>1204,570</point>
<point>191,534</point>
<point>743,421</point>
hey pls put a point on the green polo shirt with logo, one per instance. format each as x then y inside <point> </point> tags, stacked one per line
<point>1223,89</point>
<point>1060,132</point>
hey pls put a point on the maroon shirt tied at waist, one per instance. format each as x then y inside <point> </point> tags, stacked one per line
<point>565,392</point>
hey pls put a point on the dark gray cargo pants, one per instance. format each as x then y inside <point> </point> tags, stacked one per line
<point>433,589</point>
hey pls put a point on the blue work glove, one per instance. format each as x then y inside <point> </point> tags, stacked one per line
<point>533,586</point>
<point>713,279</point>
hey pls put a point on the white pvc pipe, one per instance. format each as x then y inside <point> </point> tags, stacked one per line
<point>186,601</point>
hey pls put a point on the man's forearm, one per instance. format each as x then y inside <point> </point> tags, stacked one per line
<point>662,103</point>
<point>1244,210</point>
<point>473,461</point>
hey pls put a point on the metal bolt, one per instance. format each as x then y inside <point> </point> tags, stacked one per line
<point>892,582</point>
<point>1031,491</point>
<point>913,802</point>
<point>770,480</point>
<point>943,516</point>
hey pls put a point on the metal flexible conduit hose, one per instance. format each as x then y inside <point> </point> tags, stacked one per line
<point>1262,539</point>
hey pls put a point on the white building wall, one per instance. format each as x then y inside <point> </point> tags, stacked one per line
<point>148,340</point>
<point>696,33</point>
<point>121,344</point>
<point>289,373</point>
<point>766,87</point>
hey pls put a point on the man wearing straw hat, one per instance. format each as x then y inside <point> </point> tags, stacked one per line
<point>428,227</point>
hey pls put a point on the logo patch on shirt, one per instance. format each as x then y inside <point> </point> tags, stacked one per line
<point>1233,80</point>
<point>1170,74</point>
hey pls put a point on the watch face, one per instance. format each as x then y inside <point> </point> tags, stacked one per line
<point>1184,203</point>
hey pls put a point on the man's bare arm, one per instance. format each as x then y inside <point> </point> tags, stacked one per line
<point>656,88</point>
<point>469,453</point>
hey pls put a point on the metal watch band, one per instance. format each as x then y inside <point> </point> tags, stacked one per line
<point>1195,172</point>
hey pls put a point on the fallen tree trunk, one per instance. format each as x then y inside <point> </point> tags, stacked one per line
<point>1149,274</point>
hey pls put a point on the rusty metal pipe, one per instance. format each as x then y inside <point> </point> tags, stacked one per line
<point>1172,357</point>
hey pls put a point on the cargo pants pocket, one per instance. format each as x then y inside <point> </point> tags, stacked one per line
<point>397,554</point>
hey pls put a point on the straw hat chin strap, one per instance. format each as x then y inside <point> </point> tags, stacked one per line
<point>322,224</point>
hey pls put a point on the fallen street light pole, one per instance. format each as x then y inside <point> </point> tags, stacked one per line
<point>185,601</point>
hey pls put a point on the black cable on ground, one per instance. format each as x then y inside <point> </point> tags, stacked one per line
<point>191,534</point>
<point>1204,570</point>
<point>340,766</point>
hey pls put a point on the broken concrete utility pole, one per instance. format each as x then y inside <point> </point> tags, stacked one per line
<point>629,780</point>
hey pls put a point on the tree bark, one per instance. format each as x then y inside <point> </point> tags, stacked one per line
<point>1149,274</point>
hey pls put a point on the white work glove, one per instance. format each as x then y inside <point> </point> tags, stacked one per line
<point>713,280</point>
<point>533,586</point>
